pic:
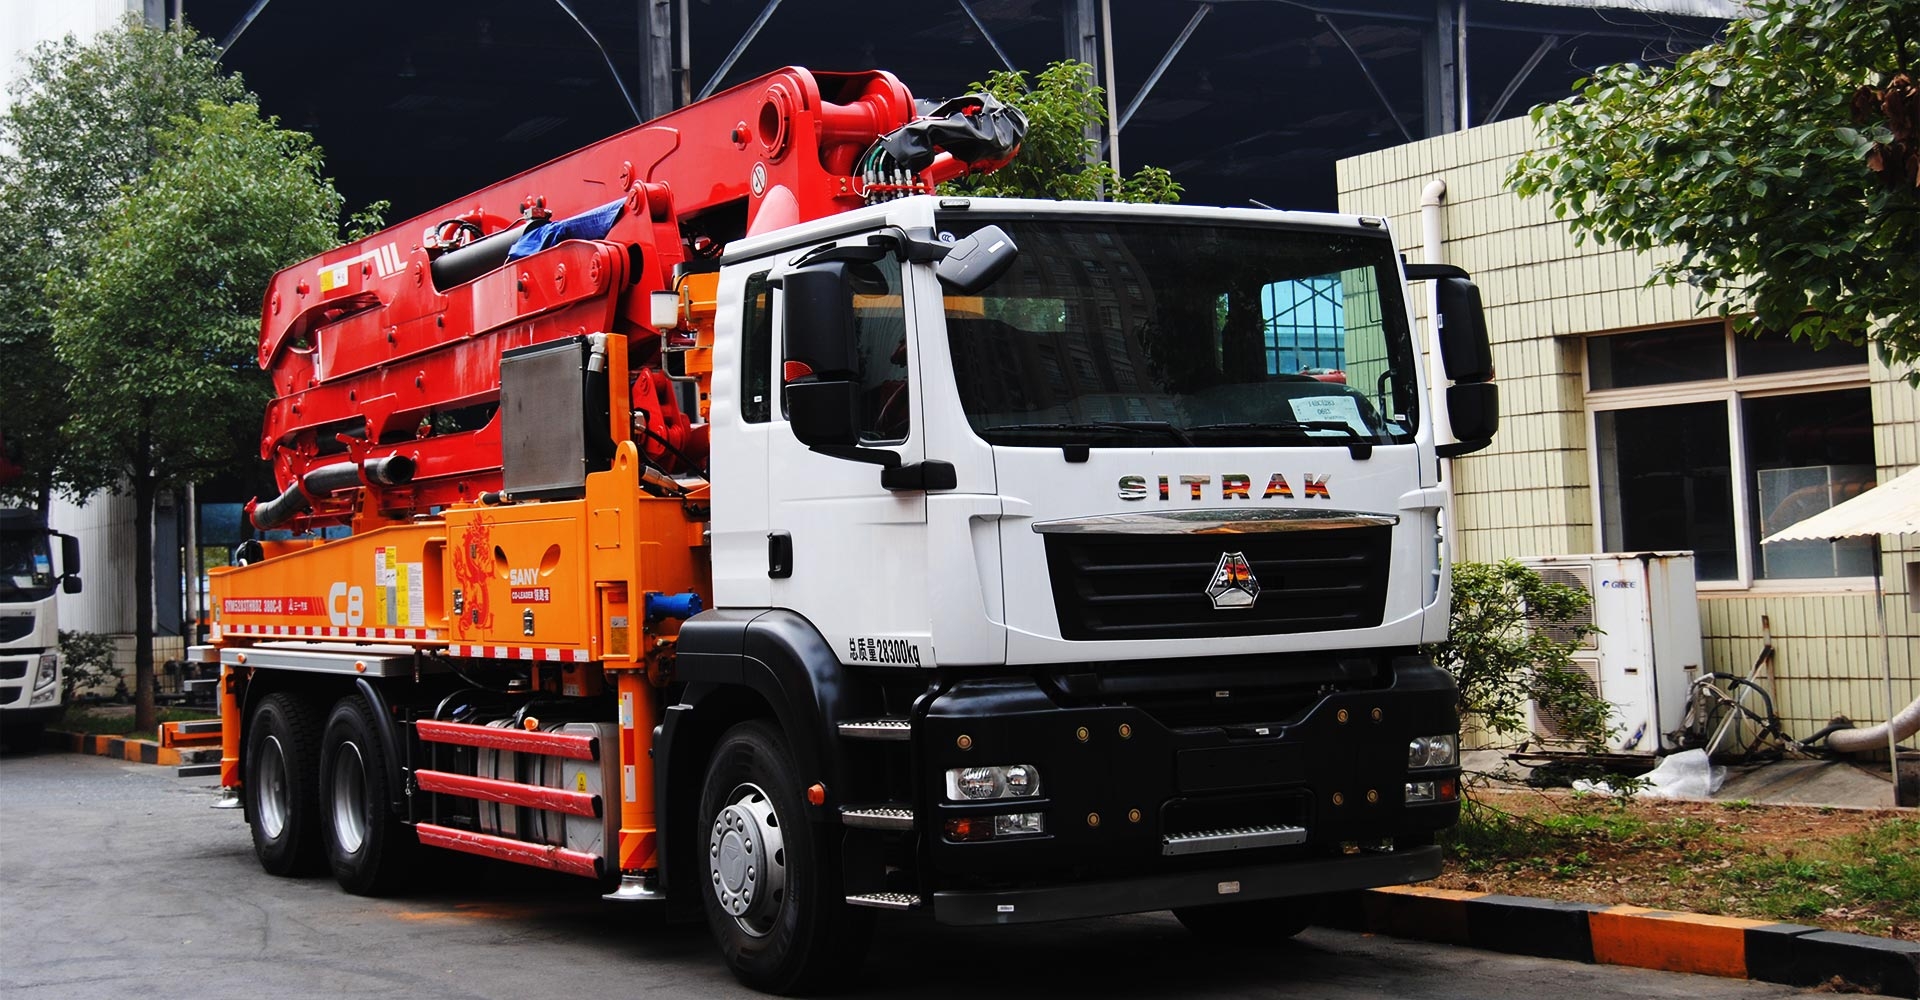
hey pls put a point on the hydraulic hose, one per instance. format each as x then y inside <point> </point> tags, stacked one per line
<point>1904,724</point>
<point>394,470</point>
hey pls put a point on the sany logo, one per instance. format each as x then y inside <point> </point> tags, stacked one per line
<point>523,577</point>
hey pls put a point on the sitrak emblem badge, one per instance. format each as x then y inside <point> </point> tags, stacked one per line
<point>1234,585</point>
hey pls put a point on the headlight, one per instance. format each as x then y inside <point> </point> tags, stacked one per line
<point>49,670</point>
<point>1433,751</point>
<point>1005,781</point>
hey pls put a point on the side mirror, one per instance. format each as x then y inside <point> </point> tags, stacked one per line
<point>70,556</point>
<point>1472,402</point>
<point>824,414</point>
<point>977,261</point>
<point>70,585</point>
<point>817,309</point>
<point>1464,348</point>
<point>820,356</point>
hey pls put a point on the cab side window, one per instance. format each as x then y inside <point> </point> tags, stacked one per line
<point>756,351</point>
<point>880,328</point>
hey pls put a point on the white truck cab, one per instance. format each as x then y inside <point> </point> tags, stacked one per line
<point>31,673</point>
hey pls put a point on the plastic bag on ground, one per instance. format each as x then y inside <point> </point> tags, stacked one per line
<point>1684,775</point>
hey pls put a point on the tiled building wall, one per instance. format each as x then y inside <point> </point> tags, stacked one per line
<point>1531,492</point>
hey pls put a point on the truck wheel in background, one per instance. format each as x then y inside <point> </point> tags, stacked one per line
<point>365,844</point>
<point>1260,921</point>
<point>283,744</point>
<point>773,894</point>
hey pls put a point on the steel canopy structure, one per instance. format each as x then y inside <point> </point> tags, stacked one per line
<point>1244,100</point>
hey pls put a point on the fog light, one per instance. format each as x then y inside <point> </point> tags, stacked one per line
<point>1004,781</point>
<point>1019,824</point>
<point>1433,751</point>
<point>1419,791</point>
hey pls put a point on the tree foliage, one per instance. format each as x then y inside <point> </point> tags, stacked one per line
<point>1779,162</point>
<point>1057,159</point>
<point>158,331</point>
<point>81,131</point>
<point>1510,640</point>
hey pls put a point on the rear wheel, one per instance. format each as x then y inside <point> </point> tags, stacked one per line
<point>1260,921</point>
<point>366,845</point>
<point>773,897</point>
<point>283,741</point>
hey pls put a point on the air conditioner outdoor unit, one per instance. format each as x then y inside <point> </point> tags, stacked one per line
<point>1647,650</point>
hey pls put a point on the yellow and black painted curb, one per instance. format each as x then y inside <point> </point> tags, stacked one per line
<point>137,751</point>
<point>1734,947</point>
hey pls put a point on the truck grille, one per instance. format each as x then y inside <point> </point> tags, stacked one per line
<point>1155,586</point>
<point>15,627</point>
<point>13,670</point>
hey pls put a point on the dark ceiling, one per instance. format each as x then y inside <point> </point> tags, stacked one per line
<point>421,101</point>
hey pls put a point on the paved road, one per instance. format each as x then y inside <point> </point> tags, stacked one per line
<point>117,880</point>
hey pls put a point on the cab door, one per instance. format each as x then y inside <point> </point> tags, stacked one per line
<point>845,551</point>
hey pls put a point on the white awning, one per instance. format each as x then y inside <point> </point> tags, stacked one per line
<point>1892,508</point>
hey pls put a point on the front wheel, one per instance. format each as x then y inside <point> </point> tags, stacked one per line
<point>366,845</point>
<point>773,898</point>
<point>1259,921</point>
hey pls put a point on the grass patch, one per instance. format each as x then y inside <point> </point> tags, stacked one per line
<point>95,721</point>
<point>1847,872</point>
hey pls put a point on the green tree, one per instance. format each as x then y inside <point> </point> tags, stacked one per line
<point>159,329</point>
<point>1779,163</point>
<point>1510,640</point>
<point>1056,158</point>
<point>80,131</point>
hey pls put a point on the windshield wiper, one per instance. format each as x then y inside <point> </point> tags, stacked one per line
<point>1359,445</point>
<point>1158,427</point>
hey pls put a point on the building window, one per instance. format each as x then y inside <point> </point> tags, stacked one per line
<point>1709,441</point>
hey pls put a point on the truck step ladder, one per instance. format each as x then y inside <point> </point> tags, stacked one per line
<point>887,816</point>
<point>887,730</point>
<point>886,900</point>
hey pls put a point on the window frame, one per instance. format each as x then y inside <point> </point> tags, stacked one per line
<point>1730,390</point>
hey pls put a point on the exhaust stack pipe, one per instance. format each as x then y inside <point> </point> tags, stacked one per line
<point>394,470</point>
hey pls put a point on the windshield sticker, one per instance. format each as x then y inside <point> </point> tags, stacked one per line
<point>1336,409</point>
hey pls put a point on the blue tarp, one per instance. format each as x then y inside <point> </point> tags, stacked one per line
<point>589,225</point>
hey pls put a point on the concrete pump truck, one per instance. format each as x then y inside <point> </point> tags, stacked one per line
<point>738,523</point>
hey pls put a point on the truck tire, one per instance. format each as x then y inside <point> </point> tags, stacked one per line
<point>366,845</point>
<point>773,893</point>
<point>282,764</point>
<point>1256,922</point>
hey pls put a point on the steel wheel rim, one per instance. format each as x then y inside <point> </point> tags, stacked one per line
<point>270,788</point>
<point>747,860</point>
<point>349,791</point>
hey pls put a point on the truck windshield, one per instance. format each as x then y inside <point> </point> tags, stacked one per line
<point>26,566</point>
<point>1184,334</point>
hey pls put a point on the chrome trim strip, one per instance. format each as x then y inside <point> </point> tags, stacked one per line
<point>1216,522</point>
<point>1242,838</point>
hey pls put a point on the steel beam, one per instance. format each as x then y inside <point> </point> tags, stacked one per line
<point>739,48</point>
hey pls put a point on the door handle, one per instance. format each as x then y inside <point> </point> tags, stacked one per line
<point>779,555</point>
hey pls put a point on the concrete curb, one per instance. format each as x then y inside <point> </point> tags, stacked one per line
<point>1734,947</point>
<point>188,760</point>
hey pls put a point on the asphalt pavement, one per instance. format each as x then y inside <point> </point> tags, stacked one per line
<point>118,880</point>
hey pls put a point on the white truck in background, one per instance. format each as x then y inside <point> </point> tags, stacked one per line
<point>32,676</point>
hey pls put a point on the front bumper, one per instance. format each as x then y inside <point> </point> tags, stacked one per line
<point>1229,884</point>
<point>1142,813</point>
